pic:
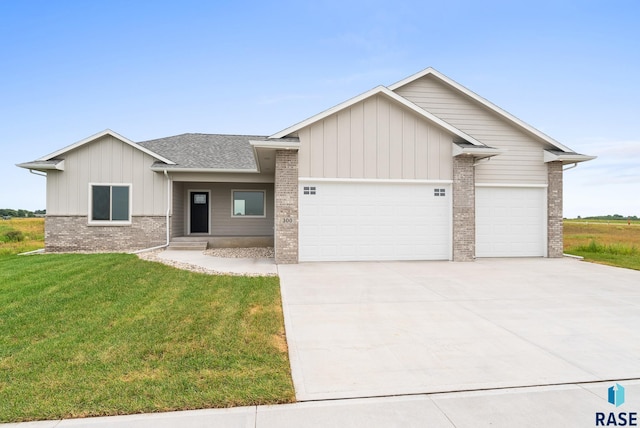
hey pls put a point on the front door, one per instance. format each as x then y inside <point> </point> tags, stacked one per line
<point>199,208</point>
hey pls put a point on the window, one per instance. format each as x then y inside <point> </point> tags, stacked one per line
<point>309,190</point>
<point>110,203</point>
<point>438,192</point>
<point>248,203</point>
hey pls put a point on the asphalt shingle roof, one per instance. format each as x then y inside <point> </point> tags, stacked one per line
<point>206,151</point>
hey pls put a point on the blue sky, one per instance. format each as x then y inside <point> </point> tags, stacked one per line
<point>150,69</point>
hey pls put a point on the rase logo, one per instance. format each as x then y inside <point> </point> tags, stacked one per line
<point>615,396</point>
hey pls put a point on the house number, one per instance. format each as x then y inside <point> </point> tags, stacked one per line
<point>287,220</point>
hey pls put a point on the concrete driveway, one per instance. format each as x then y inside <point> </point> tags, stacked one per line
<point>389,328</point>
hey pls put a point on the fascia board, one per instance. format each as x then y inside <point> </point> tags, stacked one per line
<point>482,101</point>
<point>278,146</point>
<point>59,166</point>
<point>170,170</point>
<point>326,113</point>
<point>568,158</point>
<point>102,134</point>
<point>375,91</point>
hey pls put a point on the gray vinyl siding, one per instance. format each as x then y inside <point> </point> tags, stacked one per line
<point>522,161</point>
<point>178,210</point>
<point>376,138</point>
<point>106,160</point>
<point>222,223</point>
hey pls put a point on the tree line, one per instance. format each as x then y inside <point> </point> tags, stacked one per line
<point>8,212</point>
<point>611,217</point>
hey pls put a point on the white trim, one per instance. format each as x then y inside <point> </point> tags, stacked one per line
<point>91,222</point>
<point>43,167</point>
<point>209,202</point>
<point>373,180</point>
<point>102,134</point>
<point>566,157</point>
<point>485,152</point>
<point>510,185</point>
<point>264,203</point>
<point>170,170</point>
<point>375,91</point>
<point>278,145</point>
<point>482,101</point>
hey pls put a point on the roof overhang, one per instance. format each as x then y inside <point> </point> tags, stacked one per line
<point>486,103</point>
<point>566,157</point>
<point>163,168</point>
<point>100,135</point>
<point>277,145</point>
<point>370,93</point>
<point>48,165</point>
<point>478,152</point>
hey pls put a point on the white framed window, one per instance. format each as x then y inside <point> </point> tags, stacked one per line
<point>248,203</point>
<point>110,204</point>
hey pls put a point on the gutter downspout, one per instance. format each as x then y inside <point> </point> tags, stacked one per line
<point>167,220</point>
<point>571,167</point>
<point>35,173</point>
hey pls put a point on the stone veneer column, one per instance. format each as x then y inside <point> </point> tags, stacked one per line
<point>286,207</point>
<point>464,209</point>
<point>554,210</point>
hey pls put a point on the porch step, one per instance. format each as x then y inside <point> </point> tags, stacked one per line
<point>188,245</point>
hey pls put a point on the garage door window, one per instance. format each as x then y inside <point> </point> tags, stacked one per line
<point>248,203</point>
<point>438,192</point>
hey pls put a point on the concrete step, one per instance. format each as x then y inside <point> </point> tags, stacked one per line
<point>188,245</point>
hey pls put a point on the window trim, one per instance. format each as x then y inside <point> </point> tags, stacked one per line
<point>92,222</point>
<point>264,203</point>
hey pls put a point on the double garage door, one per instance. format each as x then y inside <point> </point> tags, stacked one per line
<point>342,221</point>
<point>374,221</point>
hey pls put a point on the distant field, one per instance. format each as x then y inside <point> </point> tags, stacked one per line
<point>615,243</point>
<point>20,235</point>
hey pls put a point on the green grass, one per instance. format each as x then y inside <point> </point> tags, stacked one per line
<point>613,243</point>
<point>31,230</point>
<point>107,334</point>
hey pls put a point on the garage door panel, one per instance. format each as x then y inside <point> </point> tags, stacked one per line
<point>510,222</point>
<point>374,221</point>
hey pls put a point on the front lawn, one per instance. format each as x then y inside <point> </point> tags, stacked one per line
<point>107,334</point>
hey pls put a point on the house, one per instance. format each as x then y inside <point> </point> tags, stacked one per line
<point>423,169</point>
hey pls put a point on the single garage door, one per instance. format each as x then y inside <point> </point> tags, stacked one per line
<point>349,221</point>
<point>511,222</point>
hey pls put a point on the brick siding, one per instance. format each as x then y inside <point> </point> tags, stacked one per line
<point>464,209</point>
<point>72,233</point>
<point>554,210</point>
<point>286,207</point>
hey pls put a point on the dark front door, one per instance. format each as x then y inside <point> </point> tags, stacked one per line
<point>199,212</point>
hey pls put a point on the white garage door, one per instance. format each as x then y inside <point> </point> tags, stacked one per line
<point>510,222</point>
<point>374,221</point>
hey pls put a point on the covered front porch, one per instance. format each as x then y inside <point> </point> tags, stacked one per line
<point>222,214</point>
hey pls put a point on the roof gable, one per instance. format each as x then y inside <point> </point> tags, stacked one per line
<point>371,93</point>
<point>94,137</point>
<point>484,102</point>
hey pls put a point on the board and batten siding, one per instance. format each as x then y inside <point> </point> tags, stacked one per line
<point>106,160</point>
<point>178,210</point>
<point>522,161</point>
<point>376,138</point>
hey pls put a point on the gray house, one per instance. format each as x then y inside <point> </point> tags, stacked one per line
<point>423,169</point>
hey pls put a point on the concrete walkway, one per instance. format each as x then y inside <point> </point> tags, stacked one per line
<point>563,406</point>
<point>237,266</point>
<point>391,328</point>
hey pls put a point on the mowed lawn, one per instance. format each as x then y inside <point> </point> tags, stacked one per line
<point>107,334</point>
<point>615,243</point>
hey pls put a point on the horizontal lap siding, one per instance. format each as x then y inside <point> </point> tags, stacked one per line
<point>375,139</point>
<point>522,161</point>
<point>106,160</point>
<point>222,223</point>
